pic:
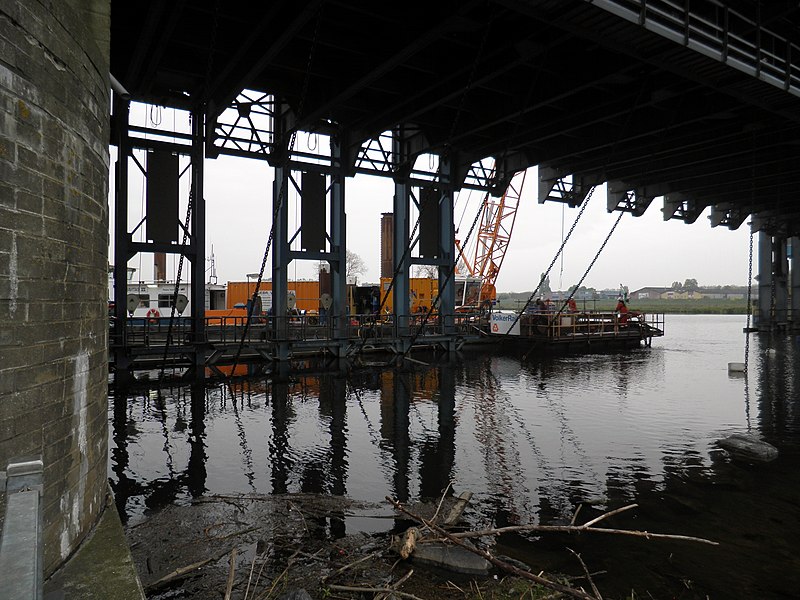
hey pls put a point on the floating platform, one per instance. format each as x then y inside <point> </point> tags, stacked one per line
<point>576,332</point>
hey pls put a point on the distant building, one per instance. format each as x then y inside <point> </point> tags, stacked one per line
<point>728,292</point>
<point>649,293</point>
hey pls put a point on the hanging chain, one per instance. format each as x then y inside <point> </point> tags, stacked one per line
<point>773,317</point>
<point>435,302</point>
<point>174,298</point>
<point>591,264</point>
<point>747,333</point>
<point>749,300</point>
<point>281,193</point>
<point>388,291</point>
<point>552,262</point>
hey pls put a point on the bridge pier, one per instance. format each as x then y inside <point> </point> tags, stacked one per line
<point>54,132</point>
<point>773,283</point>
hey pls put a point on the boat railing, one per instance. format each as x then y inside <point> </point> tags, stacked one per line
<point>152,332</point>
<point>591,324</point>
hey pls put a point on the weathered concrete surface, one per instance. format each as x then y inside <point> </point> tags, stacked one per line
<point>54,131</point>
<point>102,568</point>
<point>749,447</point>
<point>452,558</point>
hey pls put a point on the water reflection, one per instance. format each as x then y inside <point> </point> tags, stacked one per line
<point>532,439</point>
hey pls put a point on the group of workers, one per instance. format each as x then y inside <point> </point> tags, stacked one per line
<point>547,306</point>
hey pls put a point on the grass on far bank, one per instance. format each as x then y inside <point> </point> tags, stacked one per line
<point>701,306</point>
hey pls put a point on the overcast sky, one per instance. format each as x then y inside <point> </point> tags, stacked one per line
<point>643,251</point>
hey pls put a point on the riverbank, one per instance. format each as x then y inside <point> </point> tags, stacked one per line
<point>265,547</point>
<point>701,306</point>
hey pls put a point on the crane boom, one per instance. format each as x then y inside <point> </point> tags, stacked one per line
<point>494,235</point>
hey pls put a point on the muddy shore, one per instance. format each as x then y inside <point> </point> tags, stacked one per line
<point>280,545</point>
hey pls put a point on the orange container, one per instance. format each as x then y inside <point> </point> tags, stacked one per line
<point>306,293</point>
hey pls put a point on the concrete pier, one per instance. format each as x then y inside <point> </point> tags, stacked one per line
<point>54,131</point>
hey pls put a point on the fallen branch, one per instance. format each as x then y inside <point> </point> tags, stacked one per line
<point>394,586</point>
<point>231,573</point>
<point>575,593</point>
<point>375,590</point>
<point>588,575</point>
<point>458,509</point>
<point>580,529</point>
<point>351,565</point>
<point>182,572</point>
<point>441,501</point>
<point>410,538</point>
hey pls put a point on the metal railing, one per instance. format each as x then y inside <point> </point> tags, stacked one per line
<point>21,546</point>
<point>143,332</point>
<point>715,30</point>
<point>592,324</point>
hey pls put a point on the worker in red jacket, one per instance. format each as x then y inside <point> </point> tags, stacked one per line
<point>622,312</point>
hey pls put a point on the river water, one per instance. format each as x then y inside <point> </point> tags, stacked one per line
<point>532,439</point>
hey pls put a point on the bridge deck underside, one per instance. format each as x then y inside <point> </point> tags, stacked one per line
<point>559,83</point>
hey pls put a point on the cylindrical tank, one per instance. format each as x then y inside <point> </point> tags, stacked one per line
<point>387,245</point>
<point>54,132</point>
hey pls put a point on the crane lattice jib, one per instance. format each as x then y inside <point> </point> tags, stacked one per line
<point>494,235</point>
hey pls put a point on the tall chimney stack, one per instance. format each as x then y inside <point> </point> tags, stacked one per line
<point>387,245</point>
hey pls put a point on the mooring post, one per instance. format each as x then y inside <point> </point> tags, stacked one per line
<point>22,545</point>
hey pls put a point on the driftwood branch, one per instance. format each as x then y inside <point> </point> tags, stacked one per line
<point>588,575</point>
<point>182,572</point>
<point>581,529</point>
<point>457,510</point>
<point>231,574</point>
<point>409,542</point>
<point>373,590</point>
<point>350,566</point>
<point>575,593</point>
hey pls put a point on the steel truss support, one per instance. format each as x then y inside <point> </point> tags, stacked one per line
<point>121,115</point>
<point>622,197</point>
<point>773,278</point>
<point>447,240</point>
<point>679,206</point>
<point>338,228</point>
<point>557,186</point>
<point>124,246</point>
<point>197,244</point>
<point>282,253</point>
<point>401,261</point>
<point>795,283</point>
<point>253,125</point>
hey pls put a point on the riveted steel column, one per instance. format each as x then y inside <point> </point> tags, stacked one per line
<point>280,252</point>
<point>121,108</point>
<point>197,246</point>
<point>401,255</point>
<point>795,282</point>
<point>780,271</point>
<point>338,243</point>
<point>764,280</point>
<point>447,236</point>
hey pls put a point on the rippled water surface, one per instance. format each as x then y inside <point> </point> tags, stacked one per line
<point>533,440</point>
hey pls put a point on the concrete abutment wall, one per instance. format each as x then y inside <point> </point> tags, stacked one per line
<point>54,132</point>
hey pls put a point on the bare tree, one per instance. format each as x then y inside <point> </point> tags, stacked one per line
<point>427,271</point>
<point>354,265</point>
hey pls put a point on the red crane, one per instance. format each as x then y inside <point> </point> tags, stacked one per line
<point>484,259</point>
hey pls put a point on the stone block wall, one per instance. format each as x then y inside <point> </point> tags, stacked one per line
<point>54,132</point>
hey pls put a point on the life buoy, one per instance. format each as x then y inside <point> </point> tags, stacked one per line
<point>153,315</point>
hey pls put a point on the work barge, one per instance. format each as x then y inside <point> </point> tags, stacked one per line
<point>251,346</point>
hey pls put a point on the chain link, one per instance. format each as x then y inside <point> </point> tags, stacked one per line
<point>749,305</point>
<point>281,193</point>
<point>174,299</point>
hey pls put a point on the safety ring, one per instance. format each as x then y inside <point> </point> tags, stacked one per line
<point>153,315</point>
